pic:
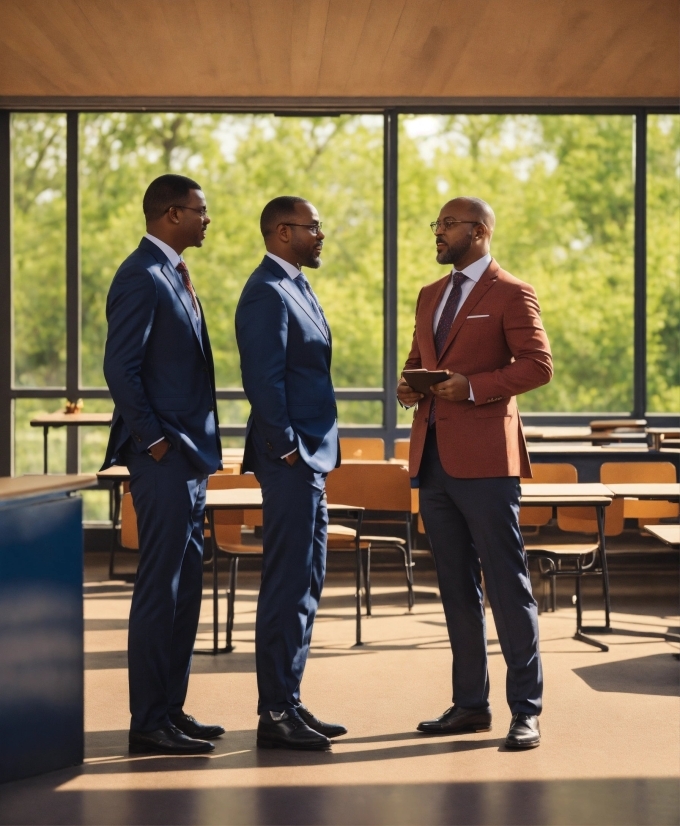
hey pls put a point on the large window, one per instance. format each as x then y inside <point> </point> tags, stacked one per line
<point>570,220</point>
<point>562,189</point>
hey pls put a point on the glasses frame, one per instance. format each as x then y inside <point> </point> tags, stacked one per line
<point>313,228</point>
<point>448,223</point>
<point>203,211</point>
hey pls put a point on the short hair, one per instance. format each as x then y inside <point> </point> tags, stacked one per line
<point>164,192</point>
<point>277,211</point>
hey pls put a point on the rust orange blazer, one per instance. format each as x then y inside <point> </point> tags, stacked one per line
<point>498,342</point>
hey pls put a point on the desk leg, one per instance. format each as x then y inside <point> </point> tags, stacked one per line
<point>605,570</point>
<point>45,432</point>
<point>215,648</point>
<point>115,516</point>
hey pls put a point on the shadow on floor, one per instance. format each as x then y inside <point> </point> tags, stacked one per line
<point>656,674</point>
<point>549,803</point>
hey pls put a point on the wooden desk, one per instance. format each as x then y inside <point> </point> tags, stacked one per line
<point>61,419</point>
<point>41,624</point>
<point>669,534</point>
<point>659,433</point>
<point>582,434</point>
<point>663,491</point>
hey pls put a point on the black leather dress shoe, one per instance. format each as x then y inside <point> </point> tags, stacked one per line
<point>457,720</point>
<point>525,733</point>
<point>289,732</point>
<point>166,740</point>
<point>327,729</point>
<point>192,728</point>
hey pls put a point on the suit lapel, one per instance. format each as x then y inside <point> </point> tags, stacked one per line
<point>428,348</point>
<point>175,281</point>
<point>294,292</point>
<point>478,292</point>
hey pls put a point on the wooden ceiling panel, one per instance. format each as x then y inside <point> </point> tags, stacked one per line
<point>340,48</point>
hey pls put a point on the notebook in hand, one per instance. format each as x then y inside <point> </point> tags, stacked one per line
<point>422,380</point>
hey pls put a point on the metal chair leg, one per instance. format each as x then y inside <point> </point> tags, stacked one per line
<point>367,580</point>
<point>358,594</point>
<point>231,599</point>
<point>409,566</point>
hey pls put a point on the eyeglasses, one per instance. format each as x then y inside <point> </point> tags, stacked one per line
<point>202,211</point>
<point>447,223</point>
<point>313,228</point>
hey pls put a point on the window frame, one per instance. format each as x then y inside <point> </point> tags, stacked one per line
<point>389,430</point>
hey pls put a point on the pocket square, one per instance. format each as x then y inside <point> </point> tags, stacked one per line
<point>485,315</point>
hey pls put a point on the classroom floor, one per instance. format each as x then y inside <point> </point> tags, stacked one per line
<point>610,751</point>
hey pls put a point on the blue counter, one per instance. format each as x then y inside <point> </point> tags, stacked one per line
<point>41,625</point>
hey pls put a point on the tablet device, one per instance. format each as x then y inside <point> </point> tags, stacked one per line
<point>422,380</point>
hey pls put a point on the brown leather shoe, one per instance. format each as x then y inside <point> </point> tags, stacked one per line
<point>525,733</point>
<point>457,720</point>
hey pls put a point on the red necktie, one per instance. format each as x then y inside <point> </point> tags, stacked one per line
<point>183,270</point>
<point>445,324</point>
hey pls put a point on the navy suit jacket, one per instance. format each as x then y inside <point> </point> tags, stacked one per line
<point>158,363</point>
<point>286,368</point>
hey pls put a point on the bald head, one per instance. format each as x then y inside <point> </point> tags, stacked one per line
<point>473,209</point>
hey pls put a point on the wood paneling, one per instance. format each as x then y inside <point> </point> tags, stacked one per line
<point>340,48</point>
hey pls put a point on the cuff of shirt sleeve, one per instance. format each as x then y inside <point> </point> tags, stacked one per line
<point>471,397</point>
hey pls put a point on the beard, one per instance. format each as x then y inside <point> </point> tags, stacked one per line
<point>454,252</point>
<point>306,256</point>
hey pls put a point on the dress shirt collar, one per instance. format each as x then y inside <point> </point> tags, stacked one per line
<point>171,254</point>
<point>289,269</point>
<point>477,269</point>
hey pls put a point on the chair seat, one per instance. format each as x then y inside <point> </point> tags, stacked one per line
<point>386,540</point>
<point>238,549</point>
<point>562,550</point>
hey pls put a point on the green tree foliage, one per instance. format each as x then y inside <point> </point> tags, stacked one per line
<point>562,190</point>
<point>39,249</point>
<point>242,161</point>
<point>663,264</point>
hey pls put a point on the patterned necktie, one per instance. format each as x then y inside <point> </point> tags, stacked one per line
<point>306,289</point>
<point>444,326</point>
<point>183,270</point>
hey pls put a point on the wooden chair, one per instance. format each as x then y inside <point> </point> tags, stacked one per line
<point>401,448</point>
<point>566,560</point>
<point>368,449</point>
<point>384,490</point>
<point>647,513</point>
<point>228,540</point>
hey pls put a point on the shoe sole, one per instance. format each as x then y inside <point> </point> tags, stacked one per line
<point>275,744</point>
<point>140,749</point>
<point>466,730</point>
<point>522,746</point>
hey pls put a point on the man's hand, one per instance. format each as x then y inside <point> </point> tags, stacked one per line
<point>292,457</point>
<point>159,450</point>
<point>406,394</point>
<point>455,389</point>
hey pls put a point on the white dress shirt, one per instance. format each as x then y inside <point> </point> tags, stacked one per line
<point>292,271</point>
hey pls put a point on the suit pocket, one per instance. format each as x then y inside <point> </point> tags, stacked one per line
<point>171,403</point>
<point>493,410</point>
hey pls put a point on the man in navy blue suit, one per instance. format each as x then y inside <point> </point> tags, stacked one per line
<point>291,444</point>
<point>159,368</point>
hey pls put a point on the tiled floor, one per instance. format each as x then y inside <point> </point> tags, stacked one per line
<point>610,753</point>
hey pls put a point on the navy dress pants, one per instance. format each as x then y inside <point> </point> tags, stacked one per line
<point>295,521</point>
<point>473,526</point>
<point>169,499</point>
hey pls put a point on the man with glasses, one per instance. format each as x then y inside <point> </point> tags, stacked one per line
<point>483,327</point>
<point>159,368</point>
<point>291,445</point>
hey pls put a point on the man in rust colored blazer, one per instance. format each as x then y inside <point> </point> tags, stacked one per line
<point>483,327</point>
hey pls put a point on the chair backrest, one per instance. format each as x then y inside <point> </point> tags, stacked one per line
<point>374,486</point>
<point>545,473</point>
<point>631,472</point>
<point>227,481</point>
<point>401,448</point>
<point>363,449</point>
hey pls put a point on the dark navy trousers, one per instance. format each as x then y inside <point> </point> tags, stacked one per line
<point>473,526</point>
<point>295,521</point>
<point>169,499</point>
